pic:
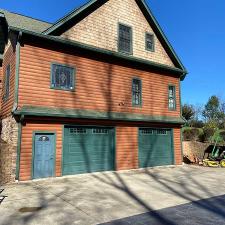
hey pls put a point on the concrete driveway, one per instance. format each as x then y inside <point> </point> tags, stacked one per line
<point>104,197</point>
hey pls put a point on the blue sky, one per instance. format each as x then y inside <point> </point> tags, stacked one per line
<point>194,28</point>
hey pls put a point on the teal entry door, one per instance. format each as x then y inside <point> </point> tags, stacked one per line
<point>44,156</point>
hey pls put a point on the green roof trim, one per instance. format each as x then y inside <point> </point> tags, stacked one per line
<point>162,35</point>
<point>71,15</point>
<point>89,7</point>
<point>91,114</point>
<point>117,55</point>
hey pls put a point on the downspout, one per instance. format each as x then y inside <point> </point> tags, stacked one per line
<point>15,105</point>
<point>16,97</point>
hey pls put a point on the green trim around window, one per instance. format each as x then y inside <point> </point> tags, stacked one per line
<point>131,39</point>
<point>33,149</point>
<point>73,78</point>
<point>153,42</point>
<point>133,104</point>
<point>92,114</point>
<point>175,98</point>
<point>18,151</point>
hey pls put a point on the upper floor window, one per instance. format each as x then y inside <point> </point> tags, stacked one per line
<point>7,83</point>
<point>125,39</point>
<point>149,40</point>
<point>172,97</point>
<point>62,77</point>
<point>136,92</point>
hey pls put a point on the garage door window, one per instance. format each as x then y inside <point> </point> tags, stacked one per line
<point>78,131</point>
<point>148,131</point>
<point>100,131</point>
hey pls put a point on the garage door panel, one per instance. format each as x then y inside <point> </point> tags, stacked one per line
<point>89,149</point>
<point>155,147</point>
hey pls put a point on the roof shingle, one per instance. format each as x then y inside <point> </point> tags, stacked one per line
<point>24,22</point>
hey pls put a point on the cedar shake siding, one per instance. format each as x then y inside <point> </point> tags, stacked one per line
<point>99,86</point>
<point>102,24</point>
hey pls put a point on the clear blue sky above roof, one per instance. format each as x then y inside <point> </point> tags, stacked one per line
<point>194,29</point>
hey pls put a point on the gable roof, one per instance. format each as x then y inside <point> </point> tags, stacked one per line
<point>78,14</point>
<point>24,22</point>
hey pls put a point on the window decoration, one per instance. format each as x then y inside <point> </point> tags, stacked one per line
<point>62,77</point>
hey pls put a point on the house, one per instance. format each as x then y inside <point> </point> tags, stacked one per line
<point>99,90</point>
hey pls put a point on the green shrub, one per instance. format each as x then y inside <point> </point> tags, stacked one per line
<point>219,136</point>
<point>208,133</point>
<point>190,134</point>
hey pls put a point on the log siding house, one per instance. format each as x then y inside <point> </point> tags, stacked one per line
<point>98,90</point>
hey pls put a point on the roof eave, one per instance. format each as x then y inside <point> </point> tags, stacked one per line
<point>91,114</point>
<point>162,34</point>
<point>131,59</point>
<point>69,16</point>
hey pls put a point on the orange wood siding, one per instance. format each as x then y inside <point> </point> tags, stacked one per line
<point>126,148</point>
<point>177,146</point>
<point>9,59</point>
<point>26,147</point>
<point>99,86</point>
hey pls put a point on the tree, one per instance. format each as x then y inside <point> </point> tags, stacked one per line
<point>213,112</point>
<point>188,112</point>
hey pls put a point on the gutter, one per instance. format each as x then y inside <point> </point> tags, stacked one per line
<point>120,56</point>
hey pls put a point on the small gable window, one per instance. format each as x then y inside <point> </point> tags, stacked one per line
<point>7,83</point>
<point>172,97</point>
<point>136,92</point>
<point>125,39</point>
<point>62,77</point>
<point>150,45</point>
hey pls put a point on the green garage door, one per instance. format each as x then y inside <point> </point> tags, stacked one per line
<point>88,149</point>
<point>155,147</point>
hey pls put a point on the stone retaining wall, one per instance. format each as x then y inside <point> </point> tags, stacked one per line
<point>7,163</point>
<point>194,150</point>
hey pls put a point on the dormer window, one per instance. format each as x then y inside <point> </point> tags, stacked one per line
<point>125,39</point>
<point>150,45</point>
<point>62,77</point>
